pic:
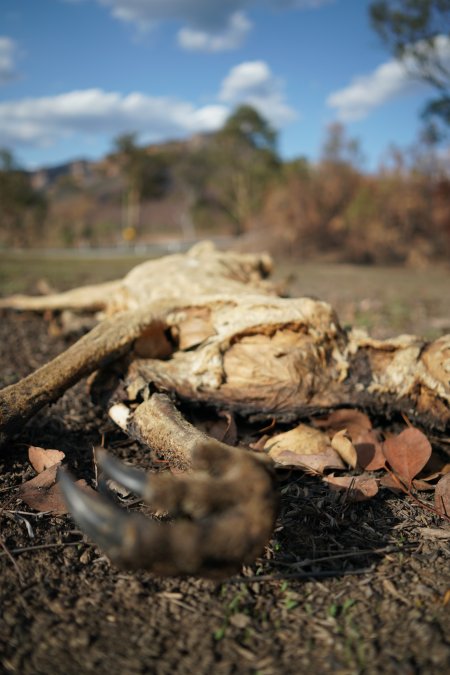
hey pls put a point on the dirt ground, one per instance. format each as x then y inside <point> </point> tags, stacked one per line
<point>342,588</point>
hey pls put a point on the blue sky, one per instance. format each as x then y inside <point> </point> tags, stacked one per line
<point>74,74</point>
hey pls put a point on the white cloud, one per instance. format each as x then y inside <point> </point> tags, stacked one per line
<point>8,53</point>
<point>231,37</point>
<point>42,122</point>
<point>201,14</point>
<point>367,92</point>
<point>207,25</point>
<point>90,113</point>
<point>390,80</point>
<point>253,82</point>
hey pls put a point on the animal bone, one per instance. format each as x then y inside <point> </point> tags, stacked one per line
<point>207,327</point>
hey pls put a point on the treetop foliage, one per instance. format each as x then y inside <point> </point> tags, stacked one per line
<point>248,125</point>
<point>418,32</point>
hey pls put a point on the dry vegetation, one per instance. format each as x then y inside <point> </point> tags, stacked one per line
<point>234,183</point>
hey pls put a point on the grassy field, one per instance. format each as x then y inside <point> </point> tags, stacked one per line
<point>383,300</point>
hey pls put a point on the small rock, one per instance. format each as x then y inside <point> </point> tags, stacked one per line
<point>240,620</point>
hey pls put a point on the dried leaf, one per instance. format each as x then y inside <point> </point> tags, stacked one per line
<point>344,447</point>
<point>317,463</point>
<point>422,485</point>
<point>407,453</point>
<point>42,459</point>
<point>441,471</point>
<point>302,440</point>
<point>43,494</point>
<point>369,451</point>
<point>260,444</point>
<point>356,422</point>
<point>231,435</point>
<point>392,483</point>
<point>358,488</point>
<point>442,495</point>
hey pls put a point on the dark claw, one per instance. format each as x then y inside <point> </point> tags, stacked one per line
<point>133,479</point>
<point>106,524</point>
<point>130,540</point>
<point>221,523</point>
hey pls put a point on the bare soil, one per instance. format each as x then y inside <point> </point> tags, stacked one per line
<point>342,588</point>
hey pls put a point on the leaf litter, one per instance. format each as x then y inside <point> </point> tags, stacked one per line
<point>304,447</point>
<point>41,459</point>
<point>42,493</point>
<point>346,439</point>
<point>343,439</point>
<point>407,453</point>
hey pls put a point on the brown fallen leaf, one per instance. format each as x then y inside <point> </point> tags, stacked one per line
<point>442,495</point>
<point>422,485</point>
<point>41,458</point>
<point>369,451</point>
<point>260,444</point>
<point>302,440</point>
<point>357,488</point>
<point>359,429</point>
<point>43,494</point>
<point>356,422</point>
<point>392,483</point>
<point>317,463</point>
<point>407,453</point>
<point>441,470</point>
<point>344,447</point>
<point>231,435</point>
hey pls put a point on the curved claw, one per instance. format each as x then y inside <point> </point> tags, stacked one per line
<point>133,479</point>
<point>230,520</point>
<point>97,516</point>
<point>130,540</point>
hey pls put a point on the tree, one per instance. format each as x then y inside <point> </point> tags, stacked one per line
<point>22,207</point>
<point>418,32</point>
<point>244,160</point>
<point>251,127</point>
<point>145,176</point>
<point>338,149</point>
<point>336,181</point>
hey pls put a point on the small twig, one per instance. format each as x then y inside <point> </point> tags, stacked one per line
<point>28,513</point>
<point>40,547</point>
<point>6,504</point>
<point>406,420</point>
<point>270,426</point>
<point>9,488</point>
<point>321,574</point>
<point>407,491</point>
<point>349,554</point>
<point>427,507</point>
<point>8,553</point>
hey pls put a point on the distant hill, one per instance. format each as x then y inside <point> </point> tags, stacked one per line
<point>86,199</point>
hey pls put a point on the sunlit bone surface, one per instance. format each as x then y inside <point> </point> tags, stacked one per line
<point>209,328</point>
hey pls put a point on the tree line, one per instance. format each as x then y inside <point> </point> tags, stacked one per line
<point>234,181</point>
